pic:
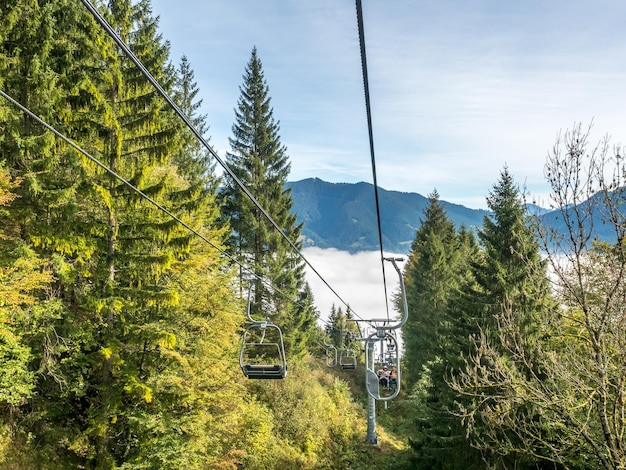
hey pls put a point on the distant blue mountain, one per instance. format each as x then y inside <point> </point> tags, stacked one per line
<point>343,215</point>
<point>534,209</point>
<point>596,216</point>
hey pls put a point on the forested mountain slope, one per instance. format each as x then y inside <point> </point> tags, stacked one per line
<point>122,328</point>
<point>343,215</point>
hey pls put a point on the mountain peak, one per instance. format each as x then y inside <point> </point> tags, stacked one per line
<point>343,215</point>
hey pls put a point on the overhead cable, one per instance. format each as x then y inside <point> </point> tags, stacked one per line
<point>111,32</point>
<point>138,191</point>
<point>366,89</point>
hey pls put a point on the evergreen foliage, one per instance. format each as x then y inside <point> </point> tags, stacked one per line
<point>546,395</point>
<point>106,335</point>
<point>341,329</point>
<point>510,303</point>
<point>429,281</point>
<point>438,265</point>
<point>193,160</point>
<point>260,162</point>
<point>120,330</point>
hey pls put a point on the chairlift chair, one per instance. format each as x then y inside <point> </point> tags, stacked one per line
<point>262,353</point>
<point>331,353</point>
<point>373,383</point>
<point>347,359</point>
<point>386,335</point>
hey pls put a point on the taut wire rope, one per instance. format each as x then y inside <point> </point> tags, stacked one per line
<point>366,89</point>
<point>129,53</point>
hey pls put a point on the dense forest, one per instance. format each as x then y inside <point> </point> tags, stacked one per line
<point>125,264</point>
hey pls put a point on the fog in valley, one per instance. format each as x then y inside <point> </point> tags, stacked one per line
<point>357,278</point>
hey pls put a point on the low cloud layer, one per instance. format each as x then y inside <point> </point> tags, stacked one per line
<point>357,279</point>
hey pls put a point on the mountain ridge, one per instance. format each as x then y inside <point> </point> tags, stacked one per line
<point>343,215</point>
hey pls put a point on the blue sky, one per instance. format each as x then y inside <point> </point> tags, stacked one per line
<point>458,88</point>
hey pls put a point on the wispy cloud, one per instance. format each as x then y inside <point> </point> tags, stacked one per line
<point>459,89</point>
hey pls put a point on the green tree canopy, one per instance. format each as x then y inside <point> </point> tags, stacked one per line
<point>260,162</point>
<point>509,303</point>
<point>438,265</point>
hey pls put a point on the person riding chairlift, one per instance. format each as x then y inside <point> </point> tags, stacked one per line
<point>383,377</point>
<point>393,377</point>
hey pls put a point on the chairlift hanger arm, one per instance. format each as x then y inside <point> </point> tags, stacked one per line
<point>385,323</point>
<point>405,307</point>
<point>372,382</point>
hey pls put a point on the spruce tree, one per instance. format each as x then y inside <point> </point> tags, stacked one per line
<point>341,330</point>
<point>508,302</point>
<point>193,159</point>
<point>260,162</point>
<point>429,278</point>
<point>42,217</point>
<point>104,347</point>
<point>141,245</point>
<point>511,274</point>
<point>437,267</point>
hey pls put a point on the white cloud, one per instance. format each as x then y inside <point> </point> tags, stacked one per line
<point>458,89</point>
<point>356,278</point>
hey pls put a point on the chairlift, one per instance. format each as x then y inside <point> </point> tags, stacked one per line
<point>331,353</point>
<point>344,356</point>
<point>391,349</point>
<point>385,334</point>
<point>262,354</point>
<point>347,359</point>
<point>380,387</point>
<point>380,359</point>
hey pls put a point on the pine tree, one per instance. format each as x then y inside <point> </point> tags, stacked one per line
<point>139,306</point>
<point>341,330</point>
<point>118,330</point>
<point>193,158</point>
<point>508,302</point>
<point>104,347</point>
<point>42,216</point>
<point>30,48</point>
<point>334,328</point>
<point>437,267</point>
<point>429,279</point>
<point>261,163</point>
<point>511,274</point>
<point>303,329</point>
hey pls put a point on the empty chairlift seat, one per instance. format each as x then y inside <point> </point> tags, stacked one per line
<point>262,354</point>
<point>347,359</point>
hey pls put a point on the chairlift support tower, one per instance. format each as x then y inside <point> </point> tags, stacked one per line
<point>384,331</point>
